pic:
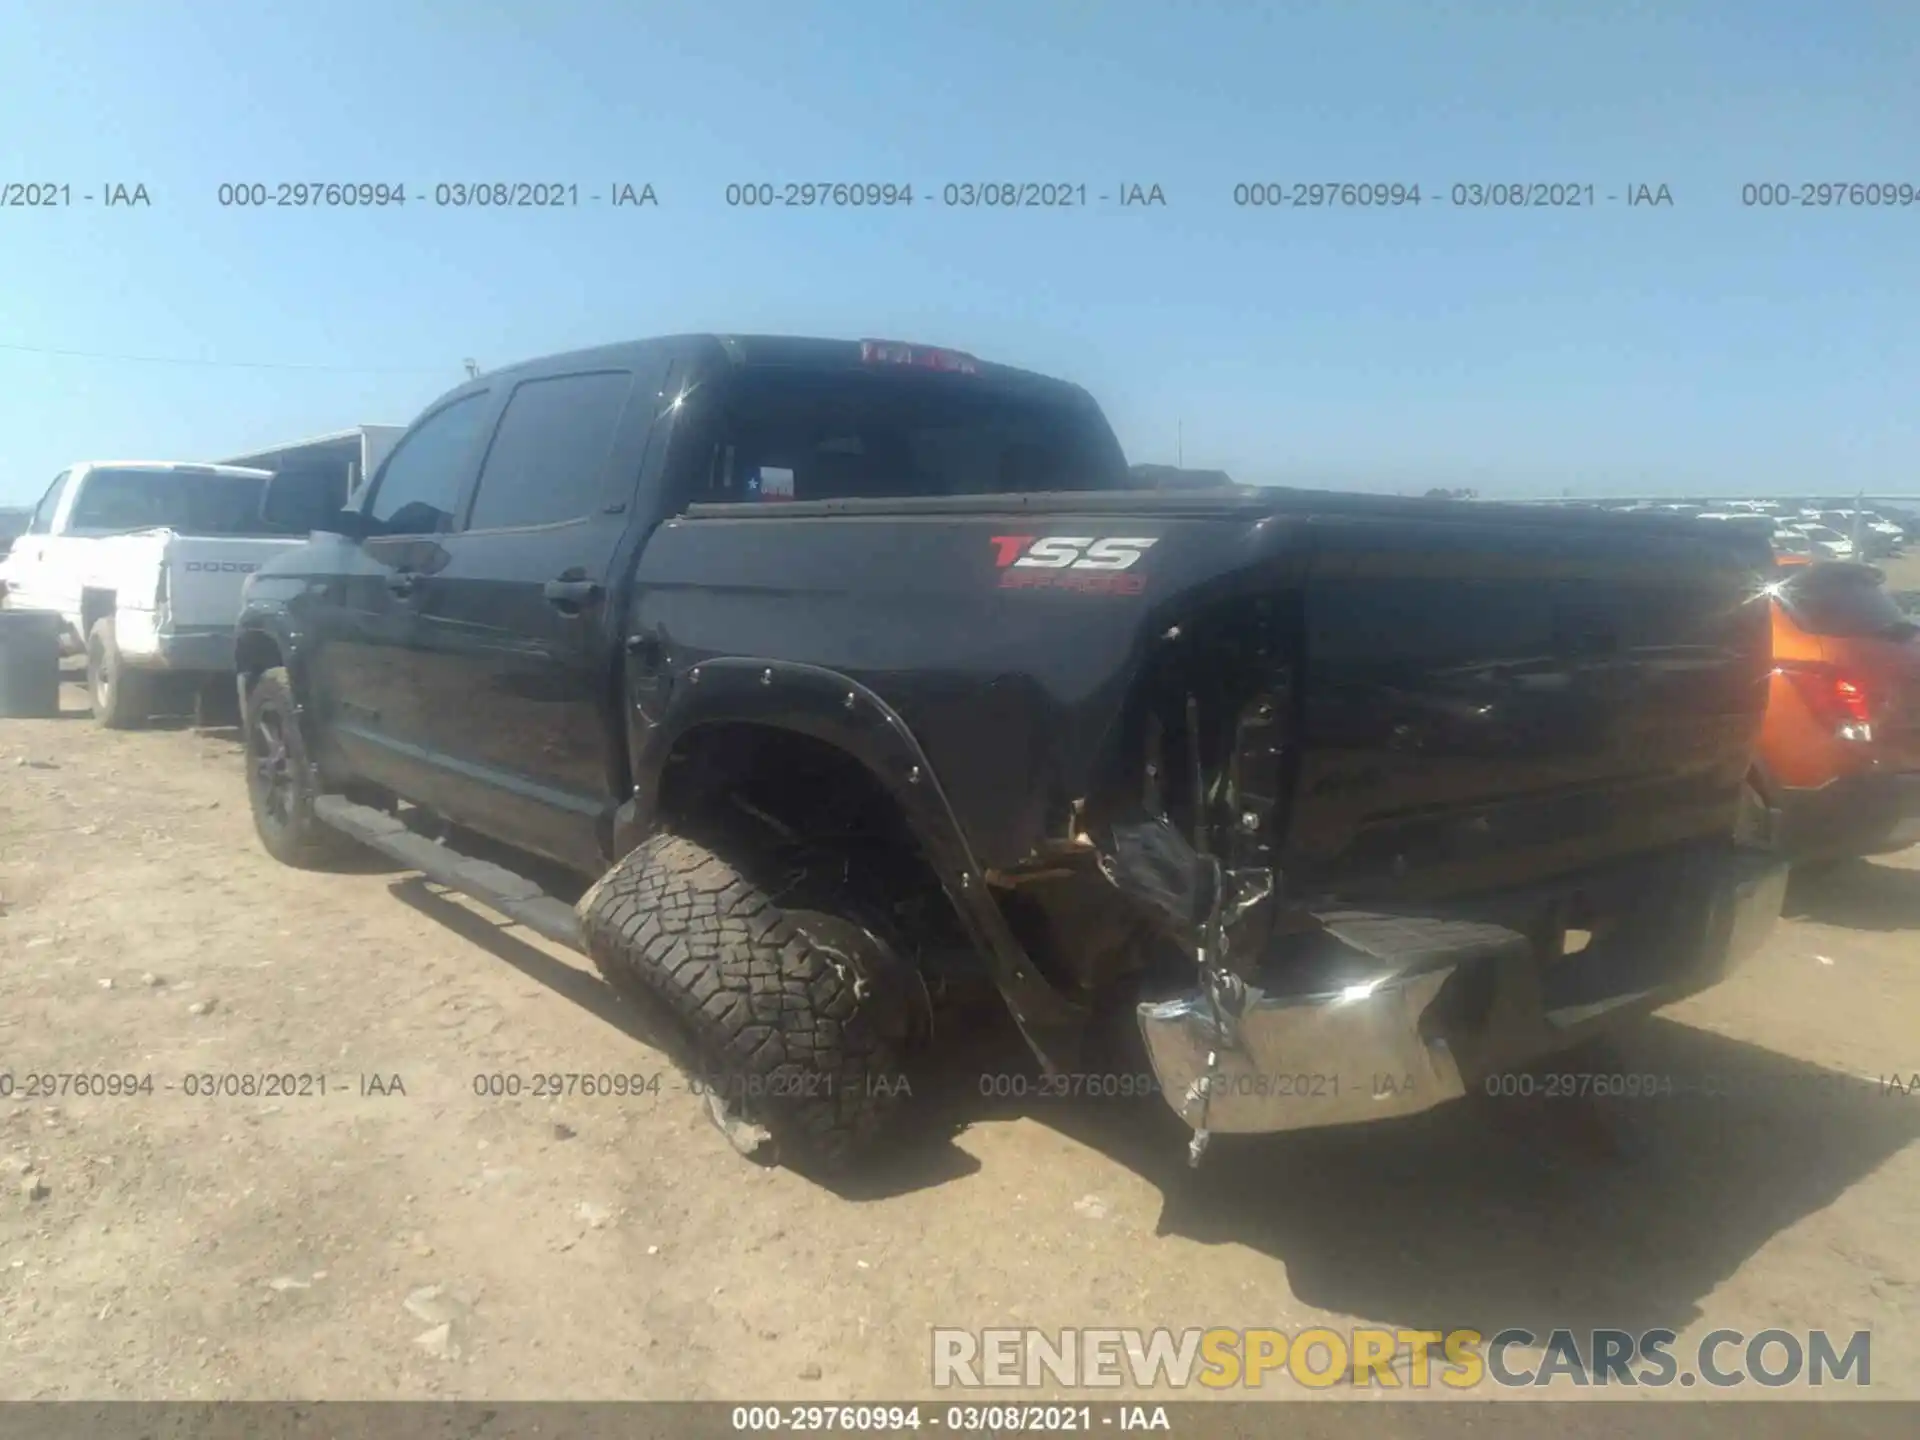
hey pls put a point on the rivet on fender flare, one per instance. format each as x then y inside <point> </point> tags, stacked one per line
<point>913,778</point>
<point>766,677</point>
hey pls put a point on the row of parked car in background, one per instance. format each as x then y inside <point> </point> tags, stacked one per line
<point>1815,530</point>
<point>846,678</point>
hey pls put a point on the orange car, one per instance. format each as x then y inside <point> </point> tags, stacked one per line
<point>1839,753</point>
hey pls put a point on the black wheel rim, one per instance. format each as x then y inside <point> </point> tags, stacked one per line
<point>272,767</point>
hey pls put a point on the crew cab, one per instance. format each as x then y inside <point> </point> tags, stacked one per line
<point>1839,755</point>
<point>851,678</point>
<point>144,560</point>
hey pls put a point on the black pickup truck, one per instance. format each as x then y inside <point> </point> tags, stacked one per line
<point>846,673</point>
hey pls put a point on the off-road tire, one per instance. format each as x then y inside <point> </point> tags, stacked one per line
<point>786,1032</point>
<point>122,698</point>
<point>280,781</point>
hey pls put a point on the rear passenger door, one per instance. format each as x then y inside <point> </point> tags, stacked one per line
<point>517,639</point>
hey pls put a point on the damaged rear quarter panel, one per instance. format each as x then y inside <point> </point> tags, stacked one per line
<point>1011,689</point>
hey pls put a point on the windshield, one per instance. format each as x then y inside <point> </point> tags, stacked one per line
<point>193,503</point>
<point>1821,532</point>
<point>1844,603</point>
<point>790,434</point>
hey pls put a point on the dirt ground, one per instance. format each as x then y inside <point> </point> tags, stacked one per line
<point>431,1241</point>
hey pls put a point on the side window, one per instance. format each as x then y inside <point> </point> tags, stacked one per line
<point>49,505</point>
<point>420,485</point>
<point>548,459</point>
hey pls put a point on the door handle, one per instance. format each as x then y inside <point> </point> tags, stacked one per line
<point>567,596</point>
<point>400,582</point>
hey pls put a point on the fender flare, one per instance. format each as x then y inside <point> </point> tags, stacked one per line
<point>278,626</point>
<point>838,710</point>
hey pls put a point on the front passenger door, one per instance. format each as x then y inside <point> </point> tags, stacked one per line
<point>365,679</point>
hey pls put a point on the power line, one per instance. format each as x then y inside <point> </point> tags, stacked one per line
<point>223,364</point>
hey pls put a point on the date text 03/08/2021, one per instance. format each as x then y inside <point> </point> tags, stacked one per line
<point>445,195</point>
<point>304,1084</point>
<point>971,1419</point>
<point>1461,195</point>
<point>999,1085</point>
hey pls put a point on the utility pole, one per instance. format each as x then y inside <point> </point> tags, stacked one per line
<point>1180,445</point>
<point>473,370</point>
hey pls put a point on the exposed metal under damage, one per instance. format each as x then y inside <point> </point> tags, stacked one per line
<point>1302,1012</point>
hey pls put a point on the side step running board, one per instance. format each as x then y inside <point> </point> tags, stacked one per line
<point>513,896</point>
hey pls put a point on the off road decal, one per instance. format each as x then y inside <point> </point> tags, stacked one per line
<point>221,567</point>
<point>1087,563</point>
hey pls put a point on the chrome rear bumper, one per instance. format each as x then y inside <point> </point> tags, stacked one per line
<point>1390,1037</point>
<point>1305,1060</point>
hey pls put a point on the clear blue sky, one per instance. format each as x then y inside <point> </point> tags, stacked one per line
<point>1705,344</point>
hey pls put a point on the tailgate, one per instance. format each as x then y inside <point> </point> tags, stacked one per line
<point>205,574</point>
<point>1489,704</point>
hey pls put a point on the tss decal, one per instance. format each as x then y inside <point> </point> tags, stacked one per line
<point>1071,562</point>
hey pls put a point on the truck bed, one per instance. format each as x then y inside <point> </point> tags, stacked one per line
<point>1481,695</point>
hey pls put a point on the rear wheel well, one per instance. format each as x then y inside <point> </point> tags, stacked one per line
<point>820,801</point>
<point>96,604</point>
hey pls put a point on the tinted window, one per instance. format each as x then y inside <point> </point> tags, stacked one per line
<point>1845,604</point>
<point>193,504</point>
<point>550,452</point>
<point>800,435</point>
<point>420,487</point>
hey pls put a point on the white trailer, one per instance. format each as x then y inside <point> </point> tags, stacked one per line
<point>346,459</point>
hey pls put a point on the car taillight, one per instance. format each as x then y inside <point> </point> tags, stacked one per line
<point>1836,698</point>
<point>921,357</point>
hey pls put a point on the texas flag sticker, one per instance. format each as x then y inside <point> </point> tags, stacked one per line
<point>771,482</point>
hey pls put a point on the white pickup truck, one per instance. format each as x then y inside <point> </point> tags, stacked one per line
<point>145,560</point>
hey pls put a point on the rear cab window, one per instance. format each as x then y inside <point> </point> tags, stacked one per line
<point>193,502</point>
<point>784,433</point>
<point>1843,602</point>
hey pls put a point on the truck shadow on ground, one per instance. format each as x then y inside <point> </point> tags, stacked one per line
<point>1492,1214</point>
<point>499,938</point>
<point>1861,895</point>
<point>77,704</point>
<point>918,1167</point>
<point>1542,1214</point>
